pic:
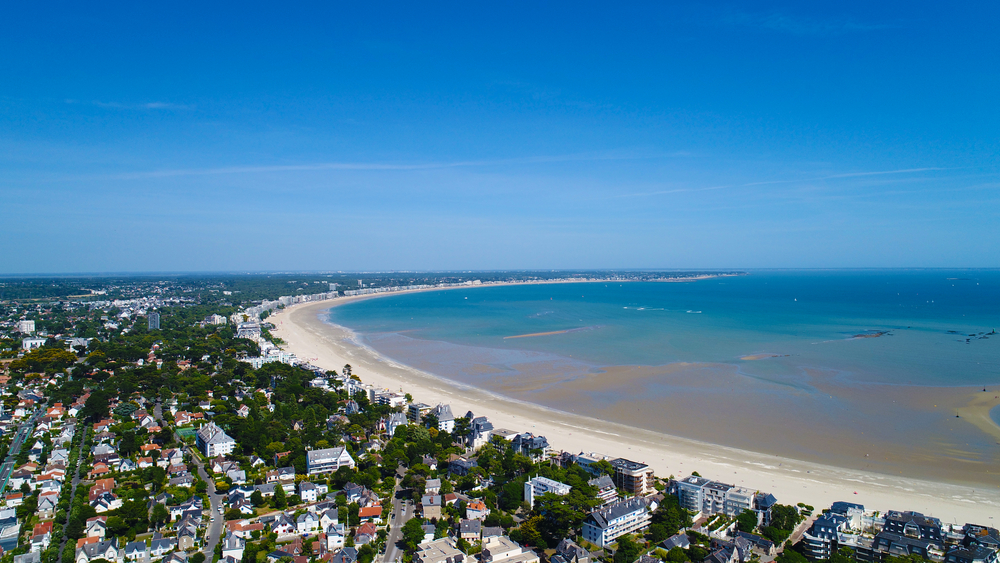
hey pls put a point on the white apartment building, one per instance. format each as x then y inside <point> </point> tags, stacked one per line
<point>212,441</point>
<point>328,460</point>
<point>605,525</point>
<point>537,486</point>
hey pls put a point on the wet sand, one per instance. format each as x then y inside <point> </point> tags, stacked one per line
<point>598,427</point>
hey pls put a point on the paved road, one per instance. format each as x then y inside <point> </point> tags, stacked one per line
<point>72,493</point>
<point>215,525</point>
<point>402,510</point>
<point>216,520</point>
<point>23,432</point>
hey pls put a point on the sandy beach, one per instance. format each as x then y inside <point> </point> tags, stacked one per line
<point>791,481</point>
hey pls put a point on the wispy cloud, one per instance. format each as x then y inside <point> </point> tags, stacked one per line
<point>790,181</point>
<point>133,106</point>
<point>800,25</point>
<point>390,166</point>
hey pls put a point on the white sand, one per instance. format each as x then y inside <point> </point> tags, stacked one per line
<point>330,347</point>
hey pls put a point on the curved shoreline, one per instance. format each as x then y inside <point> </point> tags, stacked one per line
<point>331,346</point>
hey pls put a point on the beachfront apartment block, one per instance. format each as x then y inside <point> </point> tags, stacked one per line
<point>835,528</point>
<point>249,331</point>
<point>416,411</point>
<point>391,399</point>
<point>633,477</point>
<point>605,525</point>
<point>630,476</point>
<point>539,485</point>
<point>212,441</point>
<point>328,460</point>
<point>698,494</point>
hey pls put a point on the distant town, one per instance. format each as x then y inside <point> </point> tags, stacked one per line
<point>157,419</point>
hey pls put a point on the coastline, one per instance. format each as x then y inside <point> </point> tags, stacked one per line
<point>330,346</point>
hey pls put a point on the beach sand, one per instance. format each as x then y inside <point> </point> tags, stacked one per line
<point>791,481</point>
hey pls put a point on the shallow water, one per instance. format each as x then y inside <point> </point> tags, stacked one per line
<point>772,361</point>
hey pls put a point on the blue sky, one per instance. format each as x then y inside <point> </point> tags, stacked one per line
<point>513,135</point>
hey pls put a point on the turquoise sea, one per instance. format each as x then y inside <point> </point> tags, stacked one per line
<point>805,339</point>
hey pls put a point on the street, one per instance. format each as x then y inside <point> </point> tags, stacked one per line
<point>23,432</point>
<point>216,519</point>
<point>74,483</point>
<point>402,511</point>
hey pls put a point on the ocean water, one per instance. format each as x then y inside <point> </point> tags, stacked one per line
<point>936,325</point>
<point>862,369</point>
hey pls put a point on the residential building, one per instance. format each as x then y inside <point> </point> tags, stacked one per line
<point>606,489</point>
<point>416,411</point>
<point>26,327</point>
<point>476,510</point>
<point>691,492</point>
<point>161,547</point>
<point>101,550</point>
<point>248,330</point>
<point>212,441</point>
<point>501,549</point>
<point>914,525</point>
<point>439,551</point>
<point>307,491</point>
<point>568,551</point>
<point>587,461</point>
<point>539,485</point>
<point>529,445</point>
<point>469,530</point>
<point>394,421</point>
<point>32,343</point>
<point>136,551</point>
<point>633,477</point>
<point>328,460</point>
<point>10,529</point>
<point>445,419</point>
<point>820,541</point>
<point>153,320</point>
<point>974,554</point>
<point>480,430</point>
<point>232,546</point>
<point>605,525</point>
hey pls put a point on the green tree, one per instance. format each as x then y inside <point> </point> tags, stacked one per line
<point>671,516</point>
<point>198,557</point>
<point>747,521</point>
<point>280,502</point>
<point>257,499</point>
<point>677,555</point>
<point>413,533</point>
<point>116,526</point>
<point>628,551</point>
<point>159,515</point>
<point>366,554</point>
